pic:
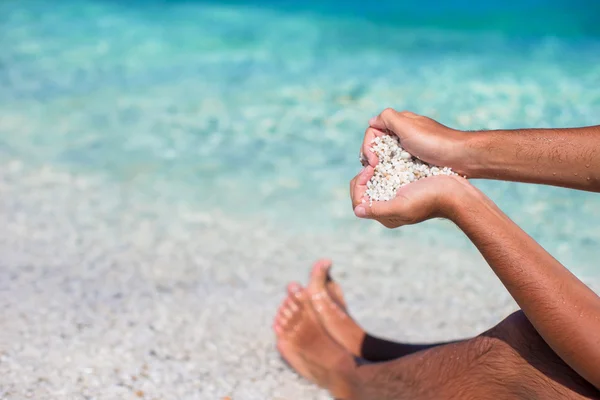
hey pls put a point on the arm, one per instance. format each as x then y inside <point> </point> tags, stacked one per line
<point>562,157</point>
<point>564,311</point>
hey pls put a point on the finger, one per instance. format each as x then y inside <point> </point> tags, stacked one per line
<point>353,190</point>
<point>365,176</point>
<point>370,135</point>
<point>383,121</point>
<point>352,184</point>
<point>389,120</point>
<point>355,179</point>
<point>376,210</point>
<point>360,185</point>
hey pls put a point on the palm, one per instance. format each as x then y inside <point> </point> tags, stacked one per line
<point>416,202</point>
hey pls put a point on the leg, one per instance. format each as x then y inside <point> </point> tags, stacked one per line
<point>509,361</point>
<point>517,336</point>
<point>328,300</point>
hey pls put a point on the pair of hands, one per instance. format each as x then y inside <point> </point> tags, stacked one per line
<point>427,198</point>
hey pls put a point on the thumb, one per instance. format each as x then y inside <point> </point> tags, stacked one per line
<point>379,209</point>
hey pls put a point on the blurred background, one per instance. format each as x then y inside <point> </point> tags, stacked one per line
<point>167,167</point>
<point>257,108</point>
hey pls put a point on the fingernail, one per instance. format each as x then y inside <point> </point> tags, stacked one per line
<point>360,212</point>
<point>372,121</point>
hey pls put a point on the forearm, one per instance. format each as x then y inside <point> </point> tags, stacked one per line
<point>562,157</point>
<point>564,311</point>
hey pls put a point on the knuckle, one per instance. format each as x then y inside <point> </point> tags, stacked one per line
<point>371,132</point>
<point>410,114</point>
<point>355,201</point>
<point>374,212</point>
<point>388,113</point>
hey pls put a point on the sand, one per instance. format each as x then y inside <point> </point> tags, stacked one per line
<point>107,295</point>
<point>396,167</point>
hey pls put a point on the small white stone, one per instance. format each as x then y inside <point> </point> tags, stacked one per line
<point>396,168</point>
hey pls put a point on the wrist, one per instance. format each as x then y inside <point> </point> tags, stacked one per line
<point>465,153</point>
<point>459,197</point>
<point>468,206</point>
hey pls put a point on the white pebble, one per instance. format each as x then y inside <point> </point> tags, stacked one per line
<point>396,168</point>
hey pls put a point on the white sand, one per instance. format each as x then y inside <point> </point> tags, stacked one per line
<point>103,295</point>
<point>396,168</point>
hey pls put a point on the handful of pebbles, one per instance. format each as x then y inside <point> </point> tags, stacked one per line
<point>397,168</point>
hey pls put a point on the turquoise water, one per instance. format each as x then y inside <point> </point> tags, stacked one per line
<point>258,110</point>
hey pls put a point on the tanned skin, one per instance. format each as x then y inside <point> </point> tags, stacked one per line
<point>549,349</point>
<point>561,308</point>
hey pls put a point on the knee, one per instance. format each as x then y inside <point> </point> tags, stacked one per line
<point>514,329</point>
<point>514,341</point>
<point>517,321</point>
<point>519,356</point>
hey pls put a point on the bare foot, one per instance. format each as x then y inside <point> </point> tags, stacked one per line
<point>306,346</point>
<point>328,301</point>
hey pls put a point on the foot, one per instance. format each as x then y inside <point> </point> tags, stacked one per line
<point>327,299</point>
<point>307,348</point>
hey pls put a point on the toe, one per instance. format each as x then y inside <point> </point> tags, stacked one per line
<point>282,321</point>
<point>281,308</point>
<point>320,269</point>
<point>299,297</point>
<point>286,312</point>
<point>278,329</point>
<point>296,295</point>
<point>334,290</point>
<point>283,315</point>
<point>291,305</point>
<point>319,275</point>
<point>293,287</point>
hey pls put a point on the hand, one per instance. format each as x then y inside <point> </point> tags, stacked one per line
<point>416,202</point>
<point>423,137</point>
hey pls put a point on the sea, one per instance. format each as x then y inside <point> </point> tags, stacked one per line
<point>256,109</point>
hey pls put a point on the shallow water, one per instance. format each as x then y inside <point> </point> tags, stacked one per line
<point>259,110</point>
